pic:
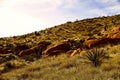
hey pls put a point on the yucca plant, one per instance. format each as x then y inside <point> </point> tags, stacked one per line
<point>95,56</point>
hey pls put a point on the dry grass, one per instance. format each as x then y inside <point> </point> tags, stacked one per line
<point>114,49</point>
<point>63,67</point>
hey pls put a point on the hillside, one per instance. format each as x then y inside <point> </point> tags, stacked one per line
<point>72,30</point>
<point>69,38</point>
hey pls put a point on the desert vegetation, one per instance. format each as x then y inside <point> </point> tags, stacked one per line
<point>88,50</point>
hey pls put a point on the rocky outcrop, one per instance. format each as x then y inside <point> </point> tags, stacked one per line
<point>90,43</point>
<point>19,48</point>
<point>56,49</point>
<point>112,38</point>
<point>5,50</point>
<point>114,35</point>
<point>116,29</point>
<point>36,50</point>
<point>70,47</point>
<point>26,52</point>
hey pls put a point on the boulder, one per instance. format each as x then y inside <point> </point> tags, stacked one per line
<point>26,52</point>
<point>90,43</point>
<point>69,52</point>
<point>5,50</point>
<point>35,50</point>
<point>55,49</point>
<point>116,29</point>
<point>75,52</point>
<point>114,35</point>
<point>19,48</point>
<point>83,53</point>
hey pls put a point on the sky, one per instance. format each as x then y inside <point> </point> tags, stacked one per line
<point>18,17</point>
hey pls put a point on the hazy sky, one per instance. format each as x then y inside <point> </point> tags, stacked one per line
<point>25,16</point>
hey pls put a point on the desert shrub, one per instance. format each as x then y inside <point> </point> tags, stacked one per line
<point>38,52</point>
<point>76,43</point>
<point>5,58</point>
<point>7,67</point>
<point>95,56</point>
<point>37,33</point>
